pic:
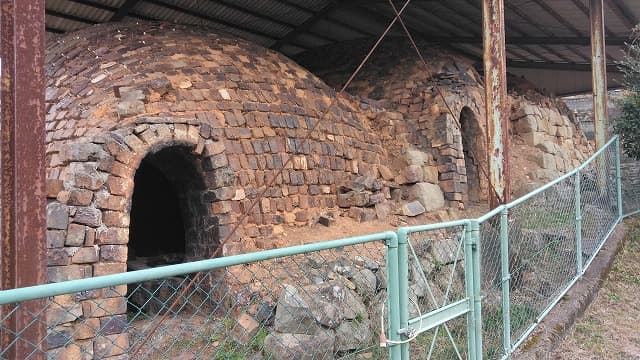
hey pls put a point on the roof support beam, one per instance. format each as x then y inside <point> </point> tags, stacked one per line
<point>557,66</point>
<point>495,77</point>
<point>526,40</point>
<point>623,12</point>
<point>339,23</point>
<point>533,23</point>
<point>306,25</point>
<point>70,17</point>
<point>22,148</point>
<point>124,10</point>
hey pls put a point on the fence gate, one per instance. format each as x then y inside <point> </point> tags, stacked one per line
<point>439,315</point>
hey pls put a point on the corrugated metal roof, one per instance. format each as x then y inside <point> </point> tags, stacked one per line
<point>541,34</point>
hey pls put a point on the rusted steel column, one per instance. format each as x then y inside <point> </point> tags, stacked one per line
<point>22,155</point>
<point>495,74</point>
<point>599,72</point>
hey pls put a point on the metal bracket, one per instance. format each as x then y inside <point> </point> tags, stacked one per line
<point>408,332</point>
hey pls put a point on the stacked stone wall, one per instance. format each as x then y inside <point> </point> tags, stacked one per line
<point>561,145</point>
<point>432,103</point>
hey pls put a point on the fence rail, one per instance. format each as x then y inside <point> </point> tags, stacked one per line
<point>473,288</point>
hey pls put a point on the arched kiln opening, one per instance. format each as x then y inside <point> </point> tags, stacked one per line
<point>472,145</point>
<point>168,213</point>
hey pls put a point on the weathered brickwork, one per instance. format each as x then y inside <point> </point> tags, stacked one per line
<point>232,115</point>
<point>117,93</point>
<point>396,78</point>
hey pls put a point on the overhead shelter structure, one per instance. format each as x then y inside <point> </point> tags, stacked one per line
<point>556,44</point>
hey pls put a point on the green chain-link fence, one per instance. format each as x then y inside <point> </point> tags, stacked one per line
<point>467,289</point>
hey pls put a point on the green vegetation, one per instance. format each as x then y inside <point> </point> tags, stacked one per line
<point>628,124</point>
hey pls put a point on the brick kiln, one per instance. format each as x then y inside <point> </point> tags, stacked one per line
<point>160,136</point>
<point>545,138</point>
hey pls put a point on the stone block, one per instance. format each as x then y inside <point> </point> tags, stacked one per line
<point>130,108</point>
<point>87,329</point>
<point>354,335</point>
<point>533,138</point>
<point>548,147</point>
<point>106,201</point>
<point>362,214</point>
<point>526,124</point>
<point>63,309</point>
<point>113,236</point>
<point>244,329</point>
<point>57,216</point>
<point>444,251</point>
<point>97,308</point>
<point>105,268</point>
<point>386,173</point>
<point>86,175</point>
<point>383,210</point>
<point>83,152</point>
<point>119,186</point>
<point>353,198</point>
<point>115,253</point>
<point>110,345</point>
<point>56,238</point>
<point>110,325</point>
<point>86,255</point>
<point>365,281</point>
<point>429,195</point>
<point>413,174</point>
<point>293,313</point>
<point>430,174</point>
<point>545,161</point>
<point>80,197</point>
<point>88,216</point>
<point>54,186</point>
<point>115,219</point>
<point>287,346</point>
<point>69,272</point>
<point>75,235</point>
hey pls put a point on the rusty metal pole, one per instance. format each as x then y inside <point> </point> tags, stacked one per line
<point>599,72</point>
<point>22,169</point>
<point>599,75</point>
<point>495,74</point>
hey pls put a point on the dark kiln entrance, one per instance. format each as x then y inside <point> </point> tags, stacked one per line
<point>168,214</point>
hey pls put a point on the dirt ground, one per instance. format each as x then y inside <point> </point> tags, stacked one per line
<point>610,327</point>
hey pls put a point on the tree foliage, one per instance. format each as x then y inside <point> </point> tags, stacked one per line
<point>628,124</point>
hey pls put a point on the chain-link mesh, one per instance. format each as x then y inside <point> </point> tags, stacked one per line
<point>545,253</point>
<point>491,287</point>
<point>437,279</point>
<point>320,305</point>
<point>630,172</point>
<point>327,304</point>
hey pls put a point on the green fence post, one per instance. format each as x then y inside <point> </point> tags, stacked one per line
<point>393,297</point>
<point>578,225</point>
<point>477,297</point>
<point>403,288</point>
<point>618,178</point>
<point>506,280</point>
<point>468,280</point>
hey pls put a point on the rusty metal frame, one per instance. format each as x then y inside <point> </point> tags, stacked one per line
<point>495,73</point>
<point>599,71</point>
<point>22,152</point>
